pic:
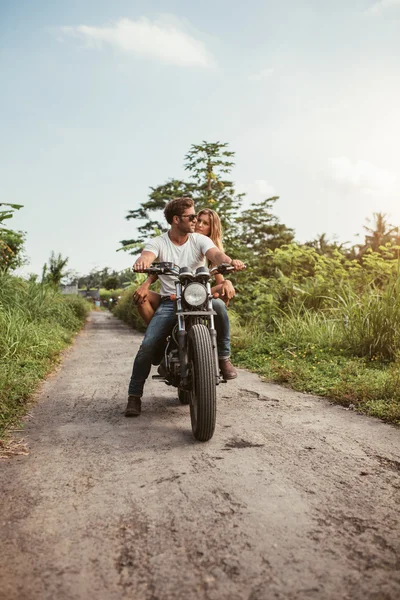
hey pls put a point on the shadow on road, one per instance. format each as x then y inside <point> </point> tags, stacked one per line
<point>163,423</point>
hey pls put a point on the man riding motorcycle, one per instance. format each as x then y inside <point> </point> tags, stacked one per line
<point>185,249</point>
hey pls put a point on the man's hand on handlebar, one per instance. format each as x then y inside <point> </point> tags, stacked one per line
<point>238,265</point>
<point>141,264</point>
<point>224,268</point>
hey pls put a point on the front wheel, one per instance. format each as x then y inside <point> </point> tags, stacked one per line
<point>203,404</point>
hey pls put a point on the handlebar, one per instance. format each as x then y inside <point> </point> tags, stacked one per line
<point>168,268</point>
<point>222,269</point>
<point>163,268</point>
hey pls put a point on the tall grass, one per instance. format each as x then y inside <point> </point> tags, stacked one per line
<point>365,324</point>
<point>371,321</point>
<point>301,326</point>
<point>36,323</point>
<point>126,309</point>
<point>348,351</point>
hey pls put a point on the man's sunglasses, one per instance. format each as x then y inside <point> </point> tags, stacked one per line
<point>190,217</point>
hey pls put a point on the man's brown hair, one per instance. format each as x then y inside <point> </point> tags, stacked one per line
<point>177,207</point>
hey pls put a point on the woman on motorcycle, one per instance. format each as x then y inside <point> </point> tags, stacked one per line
<point>208,223</point>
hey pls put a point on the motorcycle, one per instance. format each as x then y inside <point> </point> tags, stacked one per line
<point>190,360</point>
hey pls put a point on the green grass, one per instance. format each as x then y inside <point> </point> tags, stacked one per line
<point>305,354</point>
<point>36,324</point>
<point>126,309</point>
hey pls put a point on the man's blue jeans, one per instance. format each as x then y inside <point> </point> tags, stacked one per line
<point>159,328</point>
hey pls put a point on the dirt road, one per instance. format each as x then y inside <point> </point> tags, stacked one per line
<point>293,498</point>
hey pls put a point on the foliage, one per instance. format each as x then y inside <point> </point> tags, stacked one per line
<point>207,164</point>
<point>126,309</point>
<point>158,198</point>
<point>379,233</point>
<point>55,270</point>
<point>111,282</point>
<point>79,305</point>
<point>371,321</point>
<point>8,213</point>
<point>322,245</point>
<point>11,250</point>
<point>105,278</point>
<point>327,325</point>
<point>11,242</point>
<point>94,279</point>
<point>305,353</point>
<point>259,231</point>
<point>36,323</point>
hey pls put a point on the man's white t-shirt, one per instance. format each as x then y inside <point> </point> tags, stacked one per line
<point>191,254</point>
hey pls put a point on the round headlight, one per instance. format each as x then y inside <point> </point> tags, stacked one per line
<point>195,294</point>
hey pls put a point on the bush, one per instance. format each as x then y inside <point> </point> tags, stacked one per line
<point>126,309</point>
<point>79,305</point>
<point>36,323</point>
<point>371,322</point>
<point>349,350</point>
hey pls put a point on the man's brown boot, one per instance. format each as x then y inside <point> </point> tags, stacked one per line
<point>227,369</point>
<point>134,406</point>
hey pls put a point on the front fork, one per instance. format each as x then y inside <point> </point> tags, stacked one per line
<point>213,334</point>
<point>182,338</point>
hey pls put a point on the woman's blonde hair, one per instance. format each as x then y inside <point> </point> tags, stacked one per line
<point>215,226</point>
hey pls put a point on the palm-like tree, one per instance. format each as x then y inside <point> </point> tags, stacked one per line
<point>325,247</point>
<point>55,270</point>
<point>379,233</point>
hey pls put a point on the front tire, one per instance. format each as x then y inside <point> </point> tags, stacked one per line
<point>203,405</point>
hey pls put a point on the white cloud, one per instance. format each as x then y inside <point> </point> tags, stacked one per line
<point>361,175</point>
<point>259,190</point>
<point>164,40</point>
<point>381,5</point>
<point>263,74</point>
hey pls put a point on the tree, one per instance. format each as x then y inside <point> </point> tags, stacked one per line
<point>98,278</point>
<point>11,242</point>
<point>158,198</point>
<point>207,164</point>
<point>8,213</point>
<point>71,277</point>
<point>11,249</point>
<point>379,233</point>
<point>54,271</point>
<point>94,279</point>
<point>259,231</point>
<point>326,247</point>
<point>111,283</point>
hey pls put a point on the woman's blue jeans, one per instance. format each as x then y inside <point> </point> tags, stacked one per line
<point>160,327</point>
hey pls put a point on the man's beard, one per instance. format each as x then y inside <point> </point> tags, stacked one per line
<point>184,231</point>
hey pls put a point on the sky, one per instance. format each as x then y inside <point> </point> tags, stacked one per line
<point>101,100</point>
